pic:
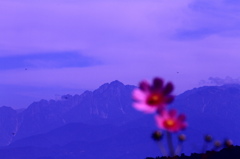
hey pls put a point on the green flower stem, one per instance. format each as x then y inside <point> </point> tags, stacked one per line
<point>162,149</point>
<point>179,148</point>
<point>170,144</point>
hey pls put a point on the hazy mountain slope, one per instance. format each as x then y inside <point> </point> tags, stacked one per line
<point>111,102</point>
<point>8,124</point>
<point>68,133</point>
<point>44,115</point>
<point>79,140</point>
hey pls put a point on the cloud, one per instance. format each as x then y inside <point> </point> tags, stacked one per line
<point>206,18</point>
<point>46,60</point>
<point>220,81</point>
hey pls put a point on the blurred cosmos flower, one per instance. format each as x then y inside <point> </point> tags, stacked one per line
<point>169,121</point>
<point>150,99</point>
<point>154,99</point>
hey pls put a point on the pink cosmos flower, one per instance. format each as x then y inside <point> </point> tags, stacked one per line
<point>168,120</point>
<point>150,99</point>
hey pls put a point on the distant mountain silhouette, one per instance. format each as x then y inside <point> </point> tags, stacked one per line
<point>111,102</point>
<point>102,124</point>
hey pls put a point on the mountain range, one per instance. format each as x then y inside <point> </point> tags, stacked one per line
<point>103,124</point>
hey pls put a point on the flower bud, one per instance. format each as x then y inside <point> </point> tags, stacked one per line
<point>228,143</point>
<point>182,137</point>
<point>208,138</point>
<point>217,144</point>
<point>157,135</point>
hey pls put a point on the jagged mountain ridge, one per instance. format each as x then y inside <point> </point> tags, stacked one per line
<point>212,102</point>
<point>111,101</point>
<point>210,109</point>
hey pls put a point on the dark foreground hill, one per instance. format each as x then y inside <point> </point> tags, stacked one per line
<point>226,153</point>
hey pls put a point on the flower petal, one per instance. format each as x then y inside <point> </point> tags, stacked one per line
<point>157,84</point>
<point>172,113</point>
<point>169,99</point>
<point>164,113</point>
<point>168,88</point>
<point>144,86</point>
<point>183,126</point>
<point>139,95</point>
<point>143,107</point>
<point>159,120</point>
<point>182,117</point>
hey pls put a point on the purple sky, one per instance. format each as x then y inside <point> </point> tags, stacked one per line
<point>53,47</point>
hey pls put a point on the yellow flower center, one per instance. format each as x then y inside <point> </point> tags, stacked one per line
<point>169,123</point>
<point>155,99</point>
